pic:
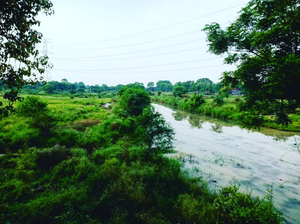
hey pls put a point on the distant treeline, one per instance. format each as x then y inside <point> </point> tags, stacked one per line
<point>203,85</point>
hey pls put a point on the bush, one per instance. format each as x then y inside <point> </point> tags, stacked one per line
<point>50,157</point>
<point>236,207</point>
<point>219,100</point>
<point>195,101</point>
<point>36,110</point>
<point>179,90</point>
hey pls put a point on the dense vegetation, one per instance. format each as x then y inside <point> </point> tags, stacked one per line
<point>78,161</point>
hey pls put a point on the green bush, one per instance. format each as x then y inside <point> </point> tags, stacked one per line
<point>236,207</point>
<point>219,100</point>
<point>50,157</point>
<point>178,91</point>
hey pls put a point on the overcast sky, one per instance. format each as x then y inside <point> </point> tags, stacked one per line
<point>123,41</point>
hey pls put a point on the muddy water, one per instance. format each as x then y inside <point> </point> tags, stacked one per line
<point>224,153</point>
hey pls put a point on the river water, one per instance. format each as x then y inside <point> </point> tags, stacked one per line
<point>223,153</point>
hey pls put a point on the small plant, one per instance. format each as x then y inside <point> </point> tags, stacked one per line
<point>159,93</point>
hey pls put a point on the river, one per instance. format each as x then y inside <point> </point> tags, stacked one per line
<point>224,153</point>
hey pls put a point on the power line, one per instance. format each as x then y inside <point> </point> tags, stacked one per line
<point>160,28</point>
<point>129,45</point>
<point>138,57</point>
<point>161,71</point>
<point>147,66</point>
<point>132,52</point>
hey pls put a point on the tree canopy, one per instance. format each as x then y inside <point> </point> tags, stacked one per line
<point>264,44</point>
<point>19,60</point>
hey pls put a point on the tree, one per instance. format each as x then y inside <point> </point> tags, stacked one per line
<point>264,43</point>
<point>164,85</point>
<point>81,87</point>
<point>179,90</point>
<point>133,101</point>
<point>150,86</point>
<point>49,88</point>
<point>135,85</point>
<point>19,60</point>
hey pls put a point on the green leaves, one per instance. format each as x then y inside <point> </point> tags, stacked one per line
<point>17,43</point>
<point>264,44</point>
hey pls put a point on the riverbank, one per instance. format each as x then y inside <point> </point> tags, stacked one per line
<point>221,152</point>
<point>228,111</point>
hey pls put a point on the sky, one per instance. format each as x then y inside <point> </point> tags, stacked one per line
<point>120,42</point>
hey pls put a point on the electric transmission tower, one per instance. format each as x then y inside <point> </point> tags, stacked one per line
<point>47,41</point>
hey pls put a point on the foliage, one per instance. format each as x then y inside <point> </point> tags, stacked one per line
<point>219,99</point>
<point>133,101</point>
<point>18,40</point>
<point>135,85</point>
<point>195,101</point>
<point>243,208</point>
<point>264,42</point>
<point>179,90</point>
<point>35,109</point>
<point>155,132</point>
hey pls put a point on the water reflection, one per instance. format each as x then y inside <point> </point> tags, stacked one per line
<point>197,121</point>
<point>193,119</point>
<point>217,128</point>
<point>179,116</point>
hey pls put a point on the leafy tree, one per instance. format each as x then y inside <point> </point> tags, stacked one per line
<point>264,43</point>
<point>164,86</point>
<point>49,88</point>
<point>135,85</point>
<point>203,84</point>
<point>81,87</point>
<point>18,40</point>
<point>179,90</point>
<point>133,101</point>
<point>150,86</point>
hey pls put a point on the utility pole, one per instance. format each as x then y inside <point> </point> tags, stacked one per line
<point>46,41</point>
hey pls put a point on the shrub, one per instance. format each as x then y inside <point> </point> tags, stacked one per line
<point>50,157</point>
<point>179,90</point>
<point>195,101</point>
<point>219,100</point>
<point>36,109</point>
